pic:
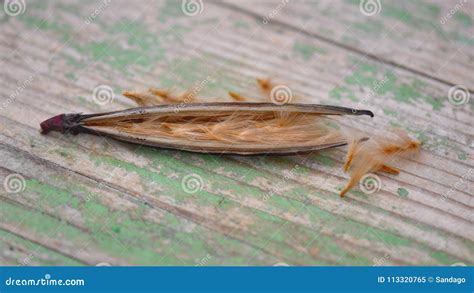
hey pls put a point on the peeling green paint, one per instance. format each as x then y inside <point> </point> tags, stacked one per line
<point>384,83</point>
<point>307,50</point>
<point>341,92</point>
<point>159,173</point>
<point>463,18</point>
<point>414,16</point>
<point>170,9</point>
<point>52,196</point>
<point>241,24</point>
<point>36,254</point>
<point>389,112</point>
<point>316,214</point>
<point>431,141</point>
<point>402,192</point>
<point>374,27</point>
<point>126,229</point>
<point>324,160</point>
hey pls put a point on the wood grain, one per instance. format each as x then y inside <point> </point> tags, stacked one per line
<point>88,200</point>
<point>412,35</point>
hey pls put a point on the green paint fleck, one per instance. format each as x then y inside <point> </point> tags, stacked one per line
<point>462,156</point>
<point>37,254</point>
<point>307,50</point>
<point>192,72</point>
<point>241,24</point>
<point>116,229</point>
<point>70,76</point>
<point>324,160</point>
<point>85,101</point>
<point>431,8</point>
<point>358,193</point>
<point>426,18</point>
<point>44,24</point>
<point>170,9</point>
<point>463,18</point>
<point>48,194</point>
<point>389,112</point>
<point>374,27</point>
<point>367,75</point>
<point>443,258</point>
<point>388,238</point>
<point>341,92</point>
<point>402,192</point>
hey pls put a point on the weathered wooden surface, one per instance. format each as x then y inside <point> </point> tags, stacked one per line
<point>86,200</point>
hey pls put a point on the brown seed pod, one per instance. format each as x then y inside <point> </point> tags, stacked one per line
<point>177,122</point>
<point>224,128</point>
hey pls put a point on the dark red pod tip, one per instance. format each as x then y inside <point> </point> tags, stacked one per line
<point>55,123</point>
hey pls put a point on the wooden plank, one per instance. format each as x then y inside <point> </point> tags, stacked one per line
<point>93,218</point>
<point>412,35</point>
<point>248,211</point>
